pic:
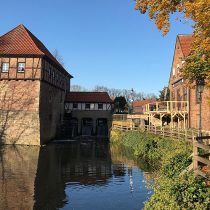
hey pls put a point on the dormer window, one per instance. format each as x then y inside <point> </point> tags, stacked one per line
<point>21,67</point>
<point>5,67</point>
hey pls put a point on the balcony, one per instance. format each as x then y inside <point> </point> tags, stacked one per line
<point>166,107</point>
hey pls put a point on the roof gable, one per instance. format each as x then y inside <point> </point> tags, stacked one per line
<point>20,41</point>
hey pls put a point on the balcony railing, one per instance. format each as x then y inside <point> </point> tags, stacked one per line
<point>166,107</point>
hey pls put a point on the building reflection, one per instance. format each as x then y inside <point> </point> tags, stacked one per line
<point>37,178</point>
<point>18,167</point>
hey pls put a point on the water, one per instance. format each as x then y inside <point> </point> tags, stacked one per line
<point>84,175</point>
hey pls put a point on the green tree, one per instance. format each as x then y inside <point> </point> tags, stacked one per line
<point>120,104</point>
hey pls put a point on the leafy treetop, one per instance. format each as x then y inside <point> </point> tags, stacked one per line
<point>198,62</point>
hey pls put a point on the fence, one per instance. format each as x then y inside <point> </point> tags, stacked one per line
<point>127,125</point>
<point>201,156</point>
<point>201,145</point>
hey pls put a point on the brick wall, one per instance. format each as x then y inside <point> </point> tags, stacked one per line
<point>19,112</point>
<point>195,110</point>
<point>51,111</point>
<point>178,89</point>
<point>31,102</point>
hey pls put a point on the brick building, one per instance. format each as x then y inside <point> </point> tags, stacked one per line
<point>179,91</point>
<point>33,86</point>
<point>88,113</point>
<point>139,106</point>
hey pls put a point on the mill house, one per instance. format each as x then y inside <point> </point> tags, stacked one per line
<point>33,87</point>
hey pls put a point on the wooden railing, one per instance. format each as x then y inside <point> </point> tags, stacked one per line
<point>166,107</point>
<point>199,143</point>
<point>201,162</point>
<point>186,134</point>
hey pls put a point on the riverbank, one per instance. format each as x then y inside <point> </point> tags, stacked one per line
<point>168,158</point>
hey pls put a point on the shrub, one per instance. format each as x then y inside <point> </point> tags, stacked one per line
<point>170,157</point>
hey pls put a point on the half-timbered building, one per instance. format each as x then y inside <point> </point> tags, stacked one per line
<point>88,113</point>
<point>33,86</point>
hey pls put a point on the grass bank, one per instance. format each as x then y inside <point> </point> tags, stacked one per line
<point>168,158</point>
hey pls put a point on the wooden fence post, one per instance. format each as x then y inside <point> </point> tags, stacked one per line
<point>195,154</point>
<point>163,132</point>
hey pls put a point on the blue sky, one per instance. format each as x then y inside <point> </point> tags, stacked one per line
<point>102,42</point>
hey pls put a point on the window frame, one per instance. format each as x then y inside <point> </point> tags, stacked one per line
<point>2,64</point>
<point>87,106</point>
<point>75,106</point>
<point>100,104</point>
<point>22,70</point>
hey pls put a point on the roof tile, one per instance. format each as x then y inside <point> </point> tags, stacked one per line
<point>91,97</point>
<point>20,41</point>
<point>185,43</point>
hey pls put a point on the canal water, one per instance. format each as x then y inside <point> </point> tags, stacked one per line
<point>84,175</point>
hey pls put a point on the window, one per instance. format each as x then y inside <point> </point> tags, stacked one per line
<point>75,105</point>
<point>100,106</point>
<point>173,95</point>
<point>92,106</point>
<point>5,67</point>
<point>87,106</point>
<point>184,94</point>
<point>178,95</point>
<point>21,67</point>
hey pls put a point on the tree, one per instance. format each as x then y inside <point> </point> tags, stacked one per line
<point>58,57</point>
<point>198,62</point>
<point>164,94</point>
<point>77,88</point>
<point>120,104</point>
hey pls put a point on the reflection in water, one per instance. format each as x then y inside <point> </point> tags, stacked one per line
<point>18,167</point>
<point>79,175</point>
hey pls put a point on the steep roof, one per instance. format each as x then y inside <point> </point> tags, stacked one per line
<point>89,97</point>
<point>20,41</point>
<point>185,43</point>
